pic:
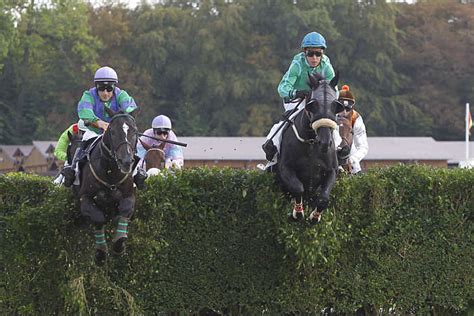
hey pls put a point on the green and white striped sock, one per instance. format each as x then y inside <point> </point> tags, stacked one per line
<point>122,228</point>
<point>100,242</point>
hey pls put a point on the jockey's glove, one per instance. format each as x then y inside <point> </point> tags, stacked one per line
<point>302,94</point>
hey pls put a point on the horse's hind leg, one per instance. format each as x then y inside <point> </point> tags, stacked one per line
<point>125,209</point>
<point>90,210</point>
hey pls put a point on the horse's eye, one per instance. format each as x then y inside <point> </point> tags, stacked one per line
<point>311,105</point>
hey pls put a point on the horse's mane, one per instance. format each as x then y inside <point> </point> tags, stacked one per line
<point>316,77</point>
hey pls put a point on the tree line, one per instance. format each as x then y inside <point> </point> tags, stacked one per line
<point>213,66</point>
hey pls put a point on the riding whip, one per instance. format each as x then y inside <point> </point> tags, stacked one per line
<point>290,114</point>
<point>164,140</point>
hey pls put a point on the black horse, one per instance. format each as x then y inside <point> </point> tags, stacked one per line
<point>107,183</point>
<point>308,162</point>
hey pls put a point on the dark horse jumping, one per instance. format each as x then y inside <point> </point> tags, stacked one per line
<point>308,162</point>
<point>107,183</point>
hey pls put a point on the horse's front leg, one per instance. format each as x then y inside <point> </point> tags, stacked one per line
<point>295,188</point>
<point>125,211</point>
<point>322,197</point>
<point>90,210</point>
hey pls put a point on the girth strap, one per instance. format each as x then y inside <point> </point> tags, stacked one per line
<point>112,187</point>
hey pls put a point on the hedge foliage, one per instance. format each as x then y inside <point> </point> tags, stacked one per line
<point>397,240</point>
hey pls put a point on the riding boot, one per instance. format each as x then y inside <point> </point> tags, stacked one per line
<point>140,178</point>
<point>69,172</point>
<point>121,235</point>
<point>270,149</point>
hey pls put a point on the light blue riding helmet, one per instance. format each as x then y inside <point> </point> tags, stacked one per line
<point>313,39</point>
<point>161,122</point>
<point>106,74</point>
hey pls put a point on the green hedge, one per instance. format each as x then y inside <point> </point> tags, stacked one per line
<point>396,240</point>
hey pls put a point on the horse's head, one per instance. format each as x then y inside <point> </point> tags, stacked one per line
<point>120,140</point>
<point>344,120</point>
<point>74,143</point>
<point>321,108</point>
<point>155,156</point>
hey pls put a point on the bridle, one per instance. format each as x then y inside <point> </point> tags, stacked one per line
<point>112,156</point>
<point>322,122</point>
<point>111,152</point>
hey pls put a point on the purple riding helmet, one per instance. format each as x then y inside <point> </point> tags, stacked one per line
<point>106,74</point>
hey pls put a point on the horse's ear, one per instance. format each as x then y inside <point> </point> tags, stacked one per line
<point>69,135</point>
<point>313,82</point>
<point>109,111</point>
<point>334,80</point>
<point>135,113</point>
<point>145,145</point>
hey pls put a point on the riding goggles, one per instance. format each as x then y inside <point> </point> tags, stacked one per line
<point>348,105</point>
<point>161,131</point>
<point>311,53</point>
<point>103,87</point>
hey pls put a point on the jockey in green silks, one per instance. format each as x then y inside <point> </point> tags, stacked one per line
<point>294,88</point>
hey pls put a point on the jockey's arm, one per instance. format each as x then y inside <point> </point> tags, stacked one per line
<point>99,124</point>
<point>361,145</point>
<point>126,102</point>
<point>174,158</point>
<point>60,151</point>
<point>286,87</point>
<point>140,150</point>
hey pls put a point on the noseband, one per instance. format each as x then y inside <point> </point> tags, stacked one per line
<point>323,122</point>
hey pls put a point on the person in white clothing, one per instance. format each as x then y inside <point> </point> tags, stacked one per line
<point>360,146</point>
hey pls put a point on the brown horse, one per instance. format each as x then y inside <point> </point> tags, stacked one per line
<point>154,157</point>
<point>344,120</point>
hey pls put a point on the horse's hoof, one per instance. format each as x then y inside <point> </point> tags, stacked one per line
<point>118,247</point>
<point>295,216</point>
<point>100,257</point>
<point>314,217</point>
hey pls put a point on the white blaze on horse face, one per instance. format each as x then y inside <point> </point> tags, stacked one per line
<point>125,128</point>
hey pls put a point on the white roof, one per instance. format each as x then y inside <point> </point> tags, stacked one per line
<point>250,148</point>
<point>43,146</point>
<point>457,150</point>
<point>405,148</point>
<point>380,148</point>
<point>11,149</point>
<point>223,148</point>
